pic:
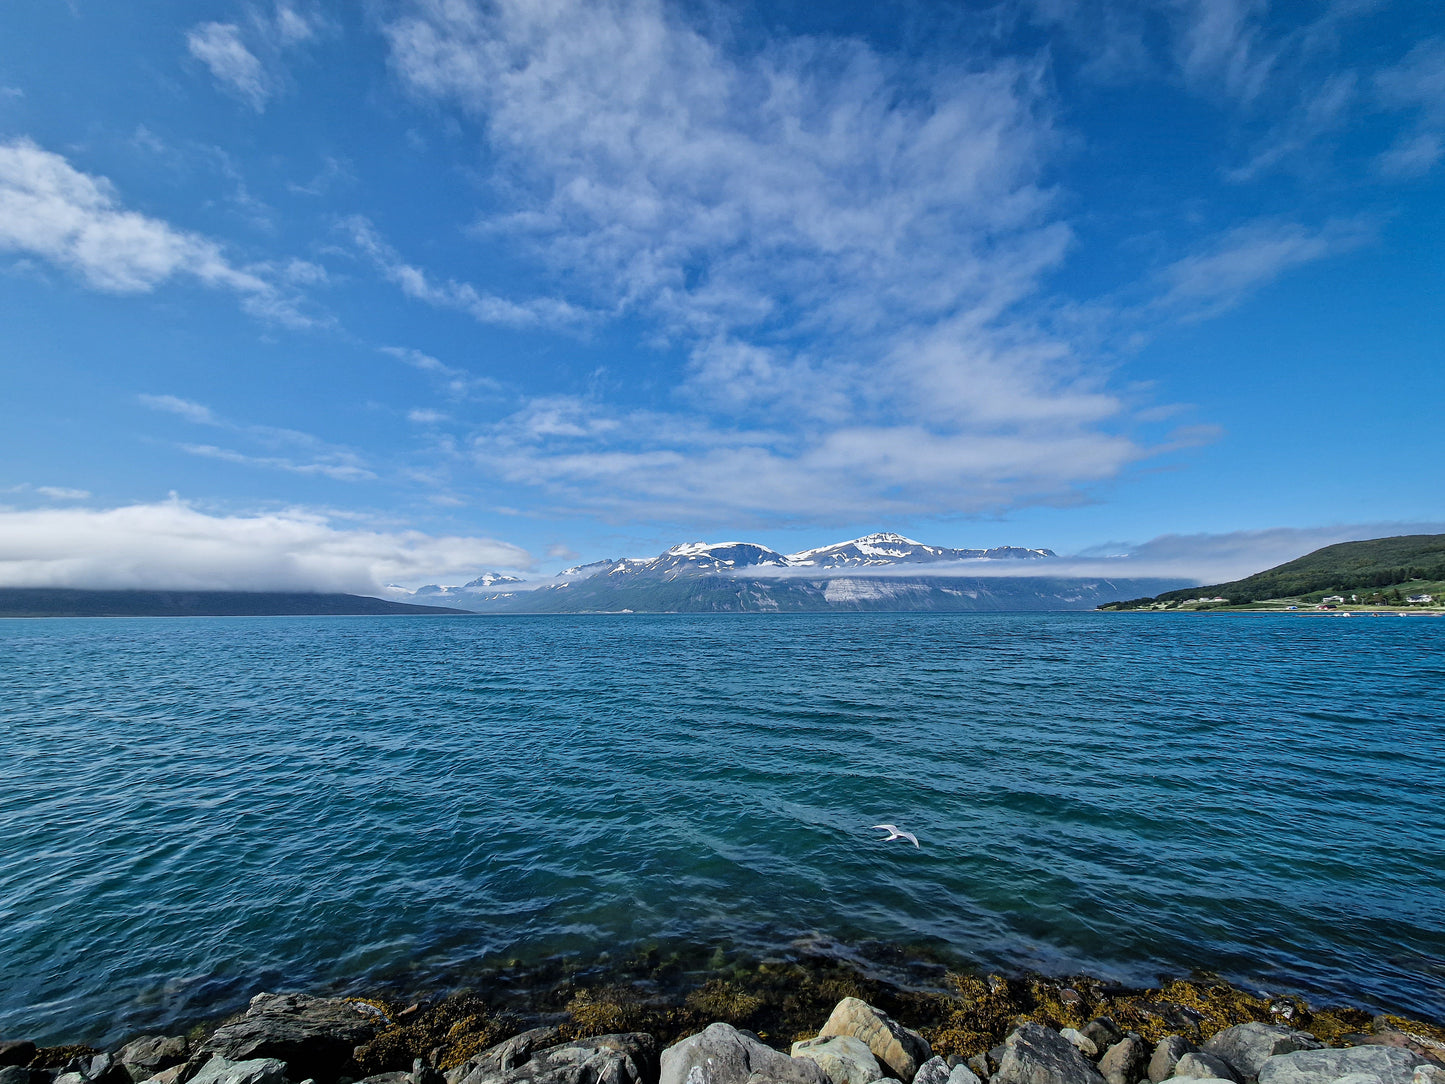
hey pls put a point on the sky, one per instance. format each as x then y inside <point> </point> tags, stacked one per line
<point>335,295</point>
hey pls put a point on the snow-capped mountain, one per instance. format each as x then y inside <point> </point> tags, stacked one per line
<point>860,574</point>
<point>885,548</point>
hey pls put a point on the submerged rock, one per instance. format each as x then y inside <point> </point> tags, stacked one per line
<point>721,1054</point>
<point>314,1036</point>
<point>1035,1054</point>
<point>1390,1064</point>
<point>902,1050</point>
<point>1247,1046</point>
<point>845,1059</point>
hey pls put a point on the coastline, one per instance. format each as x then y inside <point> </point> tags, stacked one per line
<point>564,1011</point>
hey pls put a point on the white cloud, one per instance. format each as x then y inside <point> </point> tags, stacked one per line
<point>172,545</point>
<point>219,47</point>
<point>230,50</point>
<point>52,210</point>
<point>63,493</point>
<point>1416,83</point>
<point>485,308</point>
<point>1412,156</point>
<point>847,246</point>
<point>328,460</point>
<point>1221,44</point>
<point>1250,256</point>
<point>458,383</point>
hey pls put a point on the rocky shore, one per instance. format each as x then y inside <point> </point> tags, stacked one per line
<point>771,1025</point>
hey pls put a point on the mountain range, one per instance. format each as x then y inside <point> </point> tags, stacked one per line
<point>881,571</point>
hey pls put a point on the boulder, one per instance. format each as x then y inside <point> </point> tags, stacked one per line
<point>1126,1061</point>
<point>847,1060</point>
<point>504,1057</point>
<point>1167,1052</point>
<point>721,1054</point>
<point>396,1077</point>
<point>1102,1032</point>
<point>1429,1074</point>
<point>314,1036</point>
<point>1391,1064</point>
<point>1416,1044</point>
<point>16,1052</point>
<point>143,1058</point>
<point>1198,1065</point>
<point>899,1049</point>
<point>1082,1042</point>
<point>253,1071</point>
<point>1035,1054</point>
<point>92,1069</point>
<point>1246,1046</point>
<point>18,1074</point>
<point>629,1058</point>
<point>937,1071</point>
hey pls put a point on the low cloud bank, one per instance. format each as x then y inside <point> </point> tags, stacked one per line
<point>172,546</point>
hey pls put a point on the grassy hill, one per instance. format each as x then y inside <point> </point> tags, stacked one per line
<point>68,602</point>
<point>1372,570</point>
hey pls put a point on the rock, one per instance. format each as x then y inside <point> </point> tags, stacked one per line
<point>252,1071</point>
<point>1429,1074</point>
<point>1391,1064</point>
<point>174,1075</point>
<point>1035,1054</point>
<point>1102,1032</point>
<point>721,1054</point>
<point>1082,1042</point>
<point>900,1049</point>
<point>1416,1044</point>
<point>504,1057</point>
<point>93,1069</point>
<point>396,1077</point>
<point>143,1058</point>
<point>16,1052</point>
<point>424,1073</point>
<point>1199,1065</point>
<point>628,1058</point>
<point>937,1071</point>
<point>1246,1046</point>
<point>1167,1053</point>
<point>17,1074</point>
<point>1126,1061</point>
<point>979,1064</point>
<point>847,1060</point>
<point>314,1036</point>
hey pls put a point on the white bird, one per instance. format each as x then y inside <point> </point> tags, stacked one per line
<point>894,832</point>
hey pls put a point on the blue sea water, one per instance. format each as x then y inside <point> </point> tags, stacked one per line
<point>196,809</point>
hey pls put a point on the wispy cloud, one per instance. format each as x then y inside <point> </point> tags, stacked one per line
<point>455,381</point>
<point>171,544</point>
<point>230,50</point>
<point>847,246</point>
<point>1250,256</point>
<point>327,460</point>
<point>50,209</point>
<point>483,307</point>
<point>54,493</point>
<point>1415,84</point>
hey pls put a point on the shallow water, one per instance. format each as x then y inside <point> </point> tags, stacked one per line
<point>197,809</point>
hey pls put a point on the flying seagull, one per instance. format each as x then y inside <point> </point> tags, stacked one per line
<point>894,832</point>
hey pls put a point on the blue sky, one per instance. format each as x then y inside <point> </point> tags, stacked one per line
<point>335,295</point>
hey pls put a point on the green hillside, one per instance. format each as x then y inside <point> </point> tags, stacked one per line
<point>1373,570</point>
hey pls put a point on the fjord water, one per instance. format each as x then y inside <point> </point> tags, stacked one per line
<point>197,809</point>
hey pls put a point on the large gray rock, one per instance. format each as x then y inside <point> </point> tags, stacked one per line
<point>937,1071</point>
<point>900,1050</point>
<point>629,1058</point>
<point>1199,1065</point>
<point>143,1058</point>
<point>1082,1042</point>
<point>19,1074</point>
<point>505,1056</point>
<point>1126,1061</point>
<point>1167,1052</point>
<point>1391,1064</point>
<point>721,1054</point>
<point>314,1036</point>
<point>845,1059</point>
<point>1035,1054</point>
<point>253,1071</point>
<point>1246,1046</point>
<point>92,1069</point>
